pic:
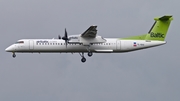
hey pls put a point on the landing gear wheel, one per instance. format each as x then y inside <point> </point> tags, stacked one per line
<point>14,55</point>
<point>90,54</point>
<point>83,59</point>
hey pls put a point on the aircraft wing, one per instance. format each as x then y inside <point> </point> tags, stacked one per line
<point>90,32</point>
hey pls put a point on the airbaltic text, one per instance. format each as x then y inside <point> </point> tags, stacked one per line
<point>157,35</point>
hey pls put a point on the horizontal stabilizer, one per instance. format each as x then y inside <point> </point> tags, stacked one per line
<point>164,18</point>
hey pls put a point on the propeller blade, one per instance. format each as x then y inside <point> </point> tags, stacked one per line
<point>66,33</point>
<point>65,38</point>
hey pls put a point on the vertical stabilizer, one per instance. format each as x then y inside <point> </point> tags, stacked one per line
<point>159,29</point>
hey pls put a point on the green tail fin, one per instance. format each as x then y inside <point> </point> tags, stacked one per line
<point>159,28</point>
<point>157,32</point>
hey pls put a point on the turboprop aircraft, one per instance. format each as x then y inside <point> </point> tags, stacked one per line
<point>89,42</point>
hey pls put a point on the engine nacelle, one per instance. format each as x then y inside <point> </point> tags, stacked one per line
<point>74,39</point>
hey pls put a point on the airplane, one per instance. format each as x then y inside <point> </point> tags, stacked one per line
<point>89,42</point>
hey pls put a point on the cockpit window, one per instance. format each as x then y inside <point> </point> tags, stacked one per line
<point>20,42</point>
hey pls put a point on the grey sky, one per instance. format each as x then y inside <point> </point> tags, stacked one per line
<point>145,75</point>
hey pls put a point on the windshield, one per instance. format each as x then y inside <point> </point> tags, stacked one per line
<point>19,42</point>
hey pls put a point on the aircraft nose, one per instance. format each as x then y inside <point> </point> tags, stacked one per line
<point>9,49</point>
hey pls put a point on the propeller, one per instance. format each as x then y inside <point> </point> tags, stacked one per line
<point>65,37</point>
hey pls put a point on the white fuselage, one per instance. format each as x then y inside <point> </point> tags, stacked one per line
<point>58,45</point>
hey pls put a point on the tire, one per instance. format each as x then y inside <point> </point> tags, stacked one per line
<point>83,60</point>
<point>90,54</point>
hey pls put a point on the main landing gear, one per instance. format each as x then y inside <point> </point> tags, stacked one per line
<point>14,55</point>
<point>90,54</point>
<point>83,59</point>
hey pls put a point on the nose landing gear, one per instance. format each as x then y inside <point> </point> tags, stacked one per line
<point>14,55</point>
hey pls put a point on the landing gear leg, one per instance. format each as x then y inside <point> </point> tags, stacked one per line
<point>89,52</point>
<point>83,58</point>
<point>14,55</point>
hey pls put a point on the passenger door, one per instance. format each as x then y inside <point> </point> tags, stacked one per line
<point>118,44</point>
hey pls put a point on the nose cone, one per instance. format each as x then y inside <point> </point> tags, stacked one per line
<point>9,49</point>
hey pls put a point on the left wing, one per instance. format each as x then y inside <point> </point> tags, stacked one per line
<point>90,32</point>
